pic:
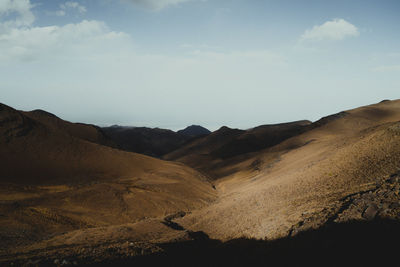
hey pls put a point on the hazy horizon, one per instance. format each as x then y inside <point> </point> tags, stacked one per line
<point>175,63</point>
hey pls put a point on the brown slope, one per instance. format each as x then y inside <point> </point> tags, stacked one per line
<point>292,183</point>
<point>304,174</point>
<point>53,182</point>
<point>205,146</point>
<point>211,154</point>
<point>83,131</point>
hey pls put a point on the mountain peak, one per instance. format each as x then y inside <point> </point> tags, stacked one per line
<point>194,130</point>
<point>43,113</point>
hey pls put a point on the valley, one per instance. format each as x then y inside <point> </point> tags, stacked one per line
<point>70,195</point>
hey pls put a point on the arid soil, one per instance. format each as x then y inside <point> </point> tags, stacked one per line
<point>303,174</point>
<point>68,198</point>
<point>53,182</point>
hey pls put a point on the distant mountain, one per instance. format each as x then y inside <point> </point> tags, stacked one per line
<point>194,130</point>
<point>210,153</point>
<point>154,142</point>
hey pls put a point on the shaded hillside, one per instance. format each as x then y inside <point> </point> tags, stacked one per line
<point>52,182</point>
<point>83,131</point>
<point>209,153</point>
<point>347,244</point>
<point>330,190</point>
<point>360,230</point>
<point>194,131</point>
<point>150,141</point>
<point>260,137</point>
<point>205,145</point>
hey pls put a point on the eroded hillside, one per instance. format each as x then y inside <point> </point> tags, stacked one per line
<point>304,174</point>
<point>64,195</point>
<point>53,182</point>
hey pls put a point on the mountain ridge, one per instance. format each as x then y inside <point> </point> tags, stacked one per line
<point>294,183</point>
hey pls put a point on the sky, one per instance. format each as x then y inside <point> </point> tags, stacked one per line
<point>173,63</point>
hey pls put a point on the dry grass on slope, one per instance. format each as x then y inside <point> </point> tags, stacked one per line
<point>53,182</point>
<point>344,156</point>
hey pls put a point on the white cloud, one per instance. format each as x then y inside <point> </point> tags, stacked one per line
<point>157,4</point>
<point>337,29</point>
<point>69,5</point>
<point>20,40</point>
<point>74,5</point>
<point>21,9</point>
<point>54,41</point>
<point>90,66</point>
<point>60,13</point>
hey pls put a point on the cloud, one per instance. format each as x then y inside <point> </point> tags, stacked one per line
<point>60,13</point>
<point>337,29</point>
<point>20,8</point>
<point>34,43</point>
<point>69,5</point>
<point>157,4</point>
<point>21,41</point>
<point>91,67</point>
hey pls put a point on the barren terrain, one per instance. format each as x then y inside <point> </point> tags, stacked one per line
<point>69,197</point>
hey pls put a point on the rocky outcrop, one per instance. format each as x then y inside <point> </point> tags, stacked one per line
<point>380,202</point>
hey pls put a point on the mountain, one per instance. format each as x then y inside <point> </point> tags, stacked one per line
<point>153,142</point>
<point>324,192</point>
<point>194,131</point>
<point>307,180</point>
<point>83,131</point>
<point>210,153</point>
<point>54,180</point>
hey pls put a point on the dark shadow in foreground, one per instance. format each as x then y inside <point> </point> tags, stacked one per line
<point>349,244</point>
